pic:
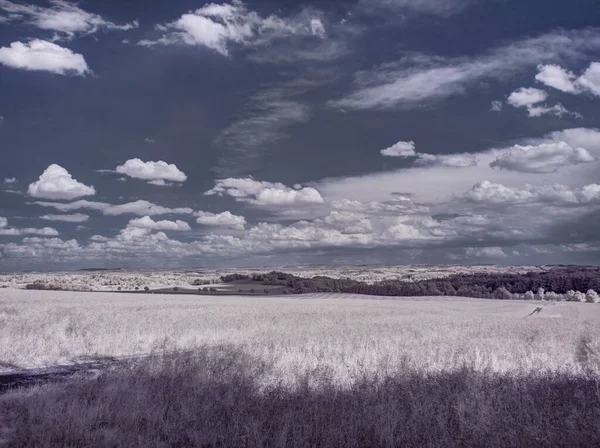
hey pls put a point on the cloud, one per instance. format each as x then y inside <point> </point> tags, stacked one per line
<point>40,55</point>
<point>10,180</point>
<point>530,99</point>
<point>77,217</point>
<point>414,80</point>
<point>400,149</point>
<point>5,231</point>
<point>525,97</point>
<point>556,194</point>
<point>590,80</point>
<point>155,172</point>
<point>443,8</point>
<point>485,252</point>
<point>400,205</point>
<point>57,183</point>
<point>225,219</point>
<point>148,223</point>
<point>141,208</point>
<point>555,76</point>
<point>66,19</point>
<point>265,193</point>
<point>558,109</point>
<point>447,160</point>
<point>544,158</point>
<point>496,106</point>
<point>217,26</point>
<point>266,122</point>
<point>407,149</point>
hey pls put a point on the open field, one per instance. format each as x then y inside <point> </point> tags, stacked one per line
<point>310,370</point>
<point>347,334</point>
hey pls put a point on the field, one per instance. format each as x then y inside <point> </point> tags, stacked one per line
<point>277,371</point>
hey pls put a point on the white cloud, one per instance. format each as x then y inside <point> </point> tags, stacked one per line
<point>155,172</point>
<point>40,55</point>
<point>555,76</point>
<point>141,208</point>
<point>225,219</point>
<point>590,80</point>
<point>3,222</point>
<point>556,194</point>
<point>66,19</point>
<point>496,106</point>
<point>485,252</point>
<point>46,231</point>
<point>400,149</point>
<point>448,160</point>
<point>10,180</point>
<point>57,183</point>
<point>530,98</point>
<point>400,205</point>
<point>77,217</point>
<point>543,158</point>
<point>148,223</point>
<point>265,193</point>
<point>217,26</point>
<point>525,97</point>
<point>414,80</point>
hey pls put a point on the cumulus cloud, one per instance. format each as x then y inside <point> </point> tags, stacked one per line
<point>6,231</point>
<point>447,160</point>
<point>10,180</point>
<point>400,149</point>
<point>557,77</point>
<point>414,80</point>
<point>400,205</point>
<point>77,217</point>
<point>141,208</point>
<point>154,172</point>
<point>148,223</point>
<point>544,158</point>
<point>217,26</point>
<point>525,97</point>
<point>64,18</point>
<point>590,80</point>
<point>265,193</point>
<point>225,219</point>
<point>530,98</point>
<point>40,55</point>
<point>56,183</point>
<point>556,194</point>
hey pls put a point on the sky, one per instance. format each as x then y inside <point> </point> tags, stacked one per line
<point>150,134</point>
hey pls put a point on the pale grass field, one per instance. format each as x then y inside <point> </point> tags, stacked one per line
<point>343,337</point>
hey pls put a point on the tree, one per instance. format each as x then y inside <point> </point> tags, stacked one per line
<point>592,297</point>
<point>146,288</point>
<point>266,291</point>
<point>529,295</point>
<point>541,292</point>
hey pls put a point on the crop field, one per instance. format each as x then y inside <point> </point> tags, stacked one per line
<point>263,371</point>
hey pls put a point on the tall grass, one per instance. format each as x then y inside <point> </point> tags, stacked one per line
<point>213,397</point>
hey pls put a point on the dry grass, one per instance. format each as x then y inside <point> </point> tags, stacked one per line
<point>348,337</point>
<point>213,398</point>
<point>302,372</point>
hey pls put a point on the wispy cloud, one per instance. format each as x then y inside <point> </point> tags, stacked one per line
<point>419,79</point>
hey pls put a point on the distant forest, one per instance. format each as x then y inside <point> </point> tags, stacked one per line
<point>561,283</point>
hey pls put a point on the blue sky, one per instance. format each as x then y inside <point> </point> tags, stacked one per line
<point>184,133</point>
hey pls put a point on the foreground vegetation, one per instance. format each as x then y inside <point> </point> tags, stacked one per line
<point>213,398</point>
<point>310,371</point>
